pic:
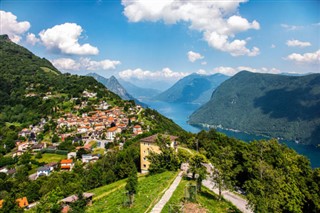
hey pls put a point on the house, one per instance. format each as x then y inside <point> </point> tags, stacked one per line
<point>71,155</point>
<point>89,158</point>
<point>4,170</point>
<point>22,202</point>
<point>66,164</point>
<point>149,144</point>
<point>137,130</point>
<point>24,133</point>
<point>43,171</point>
<point>111,133</point>
<point>73,198</point>
<point>23,146</point>
<point>52,165</point>
<point>38,147</point>
<point>17,153</point>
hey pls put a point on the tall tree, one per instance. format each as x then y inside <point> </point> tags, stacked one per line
<point>132,183</point>
<point>223,172</point>
<point>198,170</point>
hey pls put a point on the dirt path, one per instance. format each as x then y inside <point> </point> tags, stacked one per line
<point>167,195</point>
<point>236,200</point>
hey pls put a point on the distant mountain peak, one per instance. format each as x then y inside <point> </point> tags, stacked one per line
<point>194,88</point>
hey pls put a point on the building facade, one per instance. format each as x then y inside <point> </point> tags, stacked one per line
<point>148,145</point>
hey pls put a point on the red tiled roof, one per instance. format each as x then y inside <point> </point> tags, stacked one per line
<point>66,161</point>
<point>112,129</point>
<point>65,167</point>
<point>22,202</point>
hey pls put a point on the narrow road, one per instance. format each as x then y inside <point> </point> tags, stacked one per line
<point>236,200</point>
<point>167,195</point>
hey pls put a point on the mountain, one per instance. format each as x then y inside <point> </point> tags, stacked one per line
<point>27,81</point>
<point>139,92</point>
<point>113,85</point>
<point>31,88</point>
<point>274,105</point>
<point>193,88</point>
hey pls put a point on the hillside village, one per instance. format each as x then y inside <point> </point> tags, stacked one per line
<point>88,131</point>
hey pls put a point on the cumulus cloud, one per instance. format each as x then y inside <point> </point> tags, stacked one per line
<point>297,43</point>
<point>273,46</point>
<point>230,71</point>
<point>84,64</point>
<point>65,64</point>
<point>106,64</point>
<point>32,39</point>
<point>165,73</point>
<point>306,58</point>
<point>193,56</point>
<point>65,38</point>
<point>10,26</point>
<point>217,20</point>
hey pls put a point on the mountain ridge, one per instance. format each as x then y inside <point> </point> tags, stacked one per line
<point>194,88</point>
<point>274,105</point>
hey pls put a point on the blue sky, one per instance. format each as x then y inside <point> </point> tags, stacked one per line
<point>148,40</point>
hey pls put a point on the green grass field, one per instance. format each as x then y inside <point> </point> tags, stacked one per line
<point>111,198</point>
<point>50,157</point>
<point>206,199</point>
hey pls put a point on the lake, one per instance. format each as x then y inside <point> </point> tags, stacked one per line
<point>179,113</point>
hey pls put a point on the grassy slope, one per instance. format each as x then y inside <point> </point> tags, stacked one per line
<point>50,157</point>
<point>110,198</point>
<point>206,199</point>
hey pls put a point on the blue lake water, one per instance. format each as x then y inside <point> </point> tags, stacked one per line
<point>179,113</point>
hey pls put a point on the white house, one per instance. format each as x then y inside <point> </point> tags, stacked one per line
<point>111,133</point>
<point>71,155</point>
<point>43,171</point>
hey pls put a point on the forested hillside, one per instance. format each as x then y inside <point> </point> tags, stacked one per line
<point>31,88</point>
<point>274,105</point>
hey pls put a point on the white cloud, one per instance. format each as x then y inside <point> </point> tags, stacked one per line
<point>273,46</point>
<point>230,71</point>
<point>307,58</point>
<point>217,20</point>
<point>203,63</point>
<point>165,73</point>
<point>291,27</point>
<point>65,64</point>
<point>106,64</point>
<point>32,39</point>
<point>202,72</point>
<point>10,26</point>
<point>193,56</point>
<point>84,64</point>
<point>65,38</point>
<point>297,43</point>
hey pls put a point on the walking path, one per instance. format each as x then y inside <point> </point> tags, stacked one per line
<point>167,195</point>
<point>236,200</point>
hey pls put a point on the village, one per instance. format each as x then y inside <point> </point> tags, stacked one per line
<point>88,131</point>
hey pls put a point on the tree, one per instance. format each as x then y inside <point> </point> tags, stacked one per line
<point>132,183</point>
<point>10,205</point>
<point>79,206</point>
<point>197,169</point>
<point>223,171</point>
<point>50,202</point>
<point>55,138</point>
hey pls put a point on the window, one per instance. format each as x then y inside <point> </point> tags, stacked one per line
<point>144,165</point>
<point>144,158</point>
